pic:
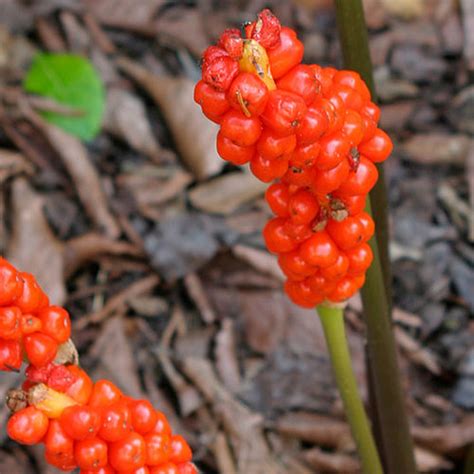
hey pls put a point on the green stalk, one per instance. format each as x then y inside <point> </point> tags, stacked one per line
<point>332,320</point>
<point>392,422</point>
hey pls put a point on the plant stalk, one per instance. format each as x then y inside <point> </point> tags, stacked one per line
<point>392,427</point>
<point>332,320</point>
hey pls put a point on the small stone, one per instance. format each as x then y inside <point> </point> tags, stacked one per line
<point>437,148</point>
<point>461,113</point>
<point>414,64</point>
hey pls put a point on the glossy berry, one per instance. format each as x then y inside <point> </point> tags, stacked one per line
<point>128,453</point>
<point>378,148</point>
<point>248,94</point>
<point>242,130</point>
<point>360,259</point>
<point>58,444</point>
<point>360,181</point>
<point>81,389</point>
<point>267,170</point>
<point>277,197</point>
<point>319,250</point>
<point>104,394</point>
<point>347,233</point>
<point>116,422</point>
<point>233,153</point>
<point>32,297</point>
<point>10,323</point>
<point>30,324</point>
<point>91,453</point>
<point>276,239</point>
<point>272,146</point>
<point>312,127</point>
<point>10,282</point>
<point>180,451</point>
<point>80,422</point>
<point>10,355</point>
<point>158,448</point>
<point>303,207</point>
<point>28,426</point>
<point>213,102</point>
<point>301,81</point>
<point>286,54</point>
<point>143,416</point>
<point>40,348</point>
<point>55,323</point>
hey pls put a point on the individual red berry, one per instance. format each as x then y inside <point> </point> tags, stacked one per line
<point>128,453</point>
<point>334,110</point>
<point>277,197</point>
<point>286,54</point>
<point>180,450</point>
<point>220,72</point>
<point>353,80</point>
<point>242,130</point>
<point>360,181</point>
<point>320,285</point>
<point>305,155</point>
<point>268,170</point>
<point>60,378</point>
<point>80,421</point>
<point>39,374</point>
<point>140,470</point>
<point>232,42</point>
<point>334,149</point>
<point>116,422</point>
<point>301,81</point>
<point>266,30</point>
<point>353,127</point>
<point>91,453</point>
<point>248,94</point>
<point>40,348</point>
<point>293,263</point>
<point>143,416</point>
<point>323,76</point>
<point>63,461</point>
<point>10,355</point>
<point>313,126</point>
<point>55,323</point>
<point>368,225</point>
<point>378,148</point>
<point>32,297</point>
<point>297,232</point>
<point>319,250</point>
<point>353,204</point>
<point>59,446</point>
<point>28,426</point>
<point>301,294</point>
<point>233,153</point>
<point>370,110</point>
<point>347,233</point>
<point>81,389</point>
<point>325,182</point>
<point>276,239</point>
<point>30,324</point>
<point>345,288</point>
<point>284,112</point>
<point>158,449</point>
<point>104,394</point>
<point>303,207</point>
<point>10,323</point>
<point>350,97</point>
<point>10,283</point>
<point>299,176</point>
<point>271,145</point>
<point>360,259</point>
<point>338,269</point>
<point>213,102</point>
<point>187,468</point>
<point>161,426</point>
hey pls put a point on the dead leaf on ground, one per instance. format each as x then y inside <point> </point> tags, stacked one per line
<point>32,246</point>
<point>227,364</point>
<point>331,462</point>
<point>126,118</point>
<point>193,133</point>
<point>225,194</point>
<point>13,163</point>
<point>428,461</point>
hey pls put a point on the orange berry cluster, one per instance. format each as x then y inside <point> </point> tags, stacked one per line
<point>311,130</point>
<point>82,424</point>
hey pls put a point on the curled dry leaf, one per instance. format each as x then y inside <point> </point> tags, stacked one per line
<point>32,245</point>
<point>331,462</point>
<point>225,194</point>
<point>226,357</point>
<point>74,156</point>
<point>428,461</point>
<point>126,118</point>
<point>260,260</point>
<point>193,134</point>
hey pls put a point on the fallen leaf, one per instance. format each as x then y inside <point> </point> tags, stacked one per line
<point>193,134</point>
<point>126,118</point>
<point>226,357</point>
<point>13,163</point>
<point>331,462</point>
<point>32,246</point>
<point>225,194</point>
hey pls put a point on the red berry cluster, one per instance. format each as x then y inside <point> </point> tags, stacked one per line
<point>85,425</point>
<point>27,321</point>
<point>314,132</point>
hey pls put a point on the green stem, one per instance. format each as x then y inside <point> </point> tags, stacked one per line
<point>390,414</point>
<point>332,320</point>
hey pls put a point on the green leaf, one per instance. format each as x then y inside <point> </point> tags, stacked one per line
<point>72,81</point>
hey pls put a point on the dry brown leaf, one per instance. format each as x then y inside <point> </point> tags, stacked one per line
<point>404,9</point>
<point>198,294</point>
<point>193,134</point>
<point>260,260</point>
<point>428,461</point>
<point>225,194</point>
<point>13,163</point>
<point>115,358</point>
<point>227,364</point>
<point>223,455</point>
<point>84,175</point>
<point>447,438</point>
<point>331,462</point>
<point>317,429</point>
<point>126,118</point>
<point>33,247</point>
